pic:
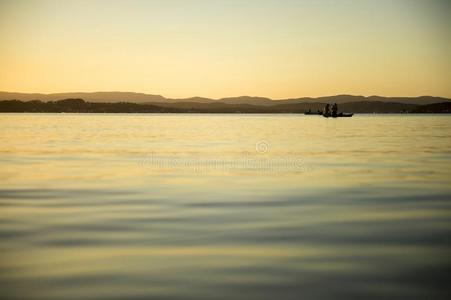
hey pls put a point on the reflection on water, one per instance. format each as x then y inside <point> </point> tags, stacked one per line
<point>224,207</point>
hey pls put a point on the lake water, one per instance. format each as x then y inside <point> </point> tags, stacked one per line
<point>156,206</point>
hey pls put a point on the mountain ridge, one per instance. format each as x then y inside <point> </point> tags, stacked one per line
<point>143,98</point>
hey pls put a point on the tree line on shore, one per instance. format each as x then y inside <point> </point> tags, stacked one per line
<point>81,106</point>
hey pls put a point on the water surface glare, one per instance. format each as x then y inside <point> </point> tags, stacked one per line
<point>199,206</point>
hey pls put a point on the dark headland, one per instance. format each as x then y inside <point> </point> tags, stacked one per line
<point>125,102</point>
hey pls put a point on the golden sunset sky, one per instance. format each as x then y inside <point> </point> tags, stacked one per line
<point>277,49</point>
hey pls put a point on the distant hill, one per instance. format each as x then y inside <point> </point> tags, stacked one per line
<point>113,97</point>
<point>249,100</point>
<point>191,99</point>
<point>91,97</point>
<point>333,99</point>
<point>80,106</point>
<point>377,107</point>
<point>339,99</point>
<point>435,108</point>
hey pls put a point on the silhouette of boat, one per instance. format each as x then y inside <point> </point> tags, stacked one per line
<point>339,115</point>
<point>318,113</point>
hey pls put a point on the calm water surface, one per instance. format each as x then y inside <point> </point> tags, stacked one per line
<point>128,206</point>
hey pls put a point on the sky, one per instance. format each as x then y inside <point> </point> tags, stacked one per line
<point>277,49</point>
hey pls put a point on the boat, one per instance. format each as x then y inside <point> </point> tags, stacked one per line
<point>318,113</point>
<point>339,115</point>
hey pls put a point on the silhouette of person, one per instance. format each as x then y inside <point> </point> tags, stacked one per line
<point>334,109</point>
<point>326,110</point>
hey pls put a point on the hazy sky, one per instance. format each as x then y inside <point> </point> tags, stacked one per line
<point>277,49</point>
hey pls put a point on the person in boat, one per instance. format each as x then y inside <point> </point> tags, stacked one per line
<point>334,110</point>
<point>326,110</point>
